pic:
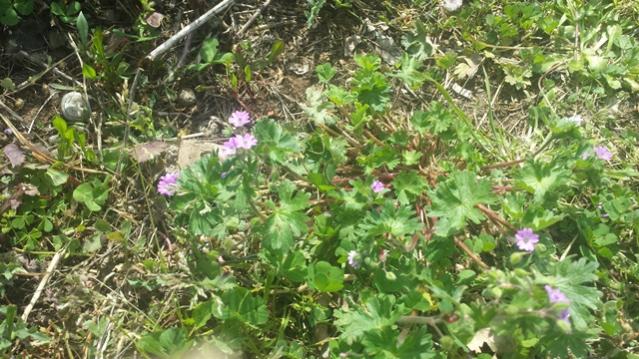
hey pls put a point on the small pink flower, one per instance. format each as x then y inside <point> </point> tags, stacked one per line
<point>377,186</point>
<point>603,153</point>
<point>167,185</point>
<point>555,295</point>
<point>240,118</point>
<point>246,141</point>
<point>225,152</point>
<point>526,239</point>
<point>230,147</point>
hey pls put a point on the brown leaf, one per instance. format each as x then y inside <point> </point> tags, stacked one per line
<point>192,150</point>
<point>481,337</point>
<point>14,154</point>
<point>155,19</point>
<point>14,203</point>
<point>148,151</point>
<point>29,189</point>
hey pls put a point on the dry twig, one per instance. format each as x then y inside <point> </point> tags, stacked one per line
<point>168,44</point>
<point>254,17</point>
<point>45,279</point>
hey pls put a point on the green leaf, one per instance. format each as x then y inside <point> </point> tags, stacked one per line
<point>417,42</point>
<point>58,178</point>
<point>9,17</point>
<point>88,72</point>
<point>317,108</point>
<point>83,31</point>
<point>287,220</point>
<point>276,143</point>
<point>313,11</point>
<point>84,194</point>
<point>398,222</point>
<point>437,120</point>
<point>572,278</point>
<point>386,343</point>
<point>92,195</point>
<point>325,72</point>
<point>7,84</point>
<point>294,267</point>
<point>454,201</point>
<point>409,72</point>
<point>409,185</point>
<point>205,310</point>
<point>541,179</point>
<point>23,7</point>
<point>92,244</point>
<point>377,313</point>
<point>209,50</point>
<point>326,278</point>
<point>170,341</point>
<point>276,50</point>
<point>240,305</point>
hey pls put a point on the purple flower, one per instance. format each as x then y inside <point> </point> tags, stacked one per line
<point>377,186</point>
<point>525,239</point>
<point>167,185</point>
<point>246,141</point>
<point>230,147</point>
<point>7,131</point>
<point>555,295</point>
<point>239,118</point>
<point>603,153</point>
<point>353,259</point>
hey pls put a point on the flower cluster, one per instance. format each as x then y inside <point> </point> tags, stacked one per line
<point>237,142</point>
<point>167,186</point>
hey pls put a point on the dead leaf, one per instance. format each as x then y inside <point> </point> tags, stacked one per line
<point>14,154</point>
<point>192,150</point>
<point>148,151</point>
<point>29,189</point>
<point>14,203</point>
<point>155,19</point>
<point>482,336</point>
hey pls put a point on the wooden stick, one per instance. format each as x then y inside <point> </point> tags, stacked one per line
<point>253,18</point>
<point>494,216</point>
<point>165,46</point>
<point>471,254</point>
<point>52,265</point>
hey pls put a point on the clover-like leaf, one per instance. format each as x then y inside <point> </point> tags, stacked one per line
<point>454,201</point>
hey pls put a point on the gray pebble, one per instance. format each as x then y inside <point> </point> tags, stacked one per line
<point>73,107</point>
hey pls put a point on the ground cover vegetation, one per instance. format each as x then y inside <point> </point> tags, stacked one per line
<point>321,179</point>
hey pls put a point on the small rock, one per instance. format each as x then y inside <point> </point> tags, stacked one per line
<point>187,97</point>
<point>18,104</point>
<point>73,107</point>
